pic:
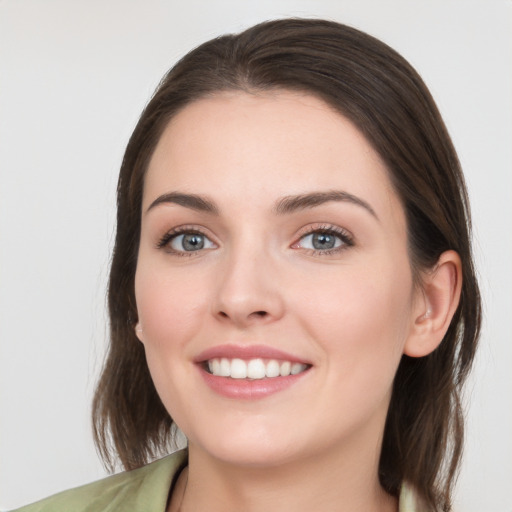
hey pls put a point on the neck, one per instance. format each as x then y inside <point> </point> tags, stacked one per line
<point>321,482</point>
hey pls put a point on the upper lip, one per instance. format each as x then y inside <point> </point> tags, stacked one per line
<point>246,352</point>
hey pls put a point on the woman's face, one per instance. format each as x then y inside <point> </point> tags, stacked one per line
<point>272,242</point>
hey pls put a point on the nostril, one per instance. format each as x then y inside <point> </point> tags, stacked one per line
<point>243,317</point>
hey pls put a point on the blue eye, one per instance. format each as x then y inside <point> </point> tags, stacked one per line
<point>185,242</point>
<point>325,240</point>
<point>321,241</point>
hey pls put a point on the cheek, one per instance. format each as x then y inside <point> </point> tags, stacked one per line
<point>361,314</point>
<point>168,307</point>
<point>361,329</point>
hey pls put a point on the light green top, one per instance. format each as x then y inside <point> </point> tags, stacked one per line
<point>142,490</point>
<point>145,489</point>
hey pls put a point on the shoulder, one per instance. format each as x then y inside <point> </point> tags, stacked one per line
<point>143,489</point>
<point>409,500</point>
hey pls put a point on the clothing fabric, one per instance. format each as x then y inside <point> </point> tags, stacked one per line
<point>142,490</point>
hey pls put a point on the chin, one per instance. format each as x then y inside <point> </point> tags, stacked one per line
<point>249,449</point>
<point>254,457</point>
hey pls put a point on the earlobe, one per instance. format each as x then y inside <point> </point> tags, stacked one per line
<point>138,331</point>
<point>434,312</point>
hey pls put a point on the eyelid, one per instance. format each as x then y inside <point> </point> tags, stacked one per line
<point>164,241</point>
<point>343,234</point>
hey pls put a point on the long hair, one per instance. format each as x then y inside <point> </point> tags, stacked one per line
<point>374,87</point>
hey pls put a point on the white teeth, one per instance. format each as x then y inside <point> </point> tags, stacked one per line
<point>272,369</point>
<point>225,368</point>
<point>238,369</point>
<point>297,368</point>
<point>254,368</point>
<point>285,369</point>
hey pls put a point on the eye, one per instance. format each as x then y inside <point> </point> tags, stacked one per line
<point>320,241</point>
<point>185,242</point>
<point>324,240</point>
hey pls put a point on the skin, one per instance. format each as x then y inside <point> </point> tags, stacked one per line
<point>350,313</point>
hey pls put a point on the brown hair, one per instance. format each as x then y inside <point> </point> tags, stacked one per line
<point>376,89</point>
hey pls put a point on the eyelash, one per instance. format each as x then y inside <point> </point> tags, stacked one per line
<point>164,242</point>
<point>345,237</point>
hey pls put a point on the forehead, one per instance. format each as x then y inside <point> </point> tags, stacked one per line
<point>264,146</point>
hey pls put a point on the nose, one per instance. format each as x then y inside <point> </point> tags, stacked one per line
<point>248,291</point>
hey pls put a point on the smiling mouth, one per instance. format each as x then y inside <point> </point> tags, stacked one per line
<point>253,369</point>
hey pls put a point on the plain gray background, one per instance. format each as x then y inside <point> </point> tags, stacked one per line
<point>74,76</point>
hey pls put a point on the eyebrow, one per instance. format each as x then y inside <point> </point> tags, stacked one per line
<point>192,201</point>
<point>290,204</point>
<point>283,206</point>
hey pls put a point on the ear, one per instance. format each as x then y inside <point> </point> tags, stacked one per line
<point>138,331</point>
<point>435,306</point>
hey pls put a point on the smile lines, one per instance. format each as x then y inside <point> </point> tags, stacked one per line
<point>253,368</point>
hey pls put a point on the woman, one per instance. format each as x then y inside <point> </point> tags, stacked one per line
<point>292,285</point>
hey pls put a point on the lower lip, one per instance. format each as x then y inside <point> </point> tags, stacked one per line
<point>247,389</point>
